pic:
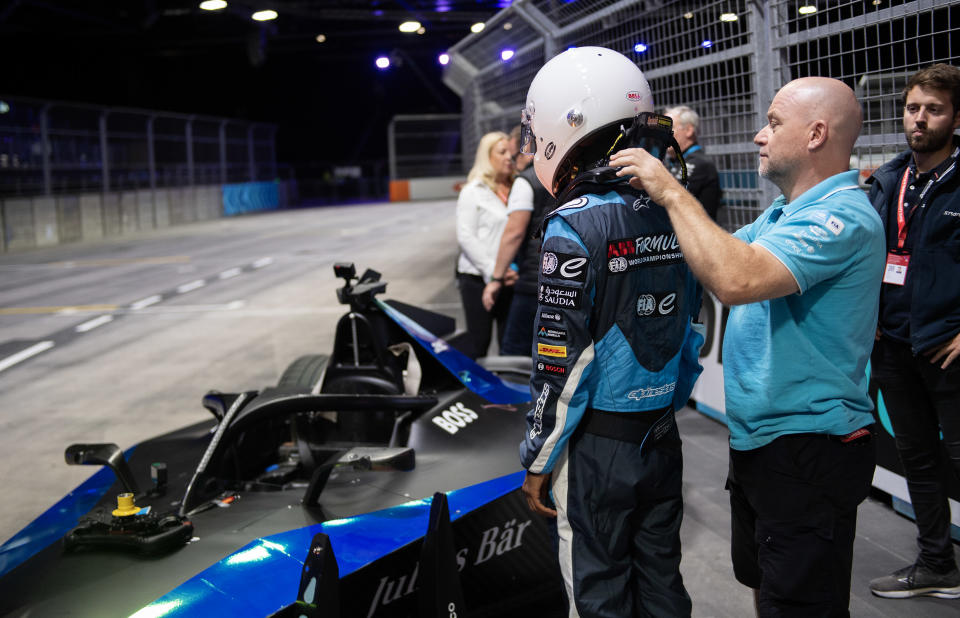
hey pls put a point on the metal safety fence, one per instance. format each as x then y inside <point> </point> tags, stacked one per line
<point>424,145</point>
<point>51,148</point>
<point>726,59</point>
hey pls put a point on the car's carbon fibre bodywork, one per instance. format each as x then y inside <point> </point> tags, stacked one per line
<point>245,495</point>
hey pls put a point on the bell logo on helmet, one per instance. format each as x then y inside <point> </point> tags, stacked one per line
<point>633,95</point>
<point>549,150</point>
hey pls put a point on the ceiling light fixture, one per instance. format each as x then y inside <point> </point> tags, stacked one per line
<point>213,5</point>
<point>264,15</point>
<point>807,9</point>
<point>506,54</point>
<point>382,62</point>
<point>507,26</point>
<point>688,15</point>
<point>640,48</point>
<point>443,59</point>
<point>421,30</point>
<point>707,44</point>
<point>321,38</point>
<point>728,17</point>
<point>477,27</point>
<point>409,26</point>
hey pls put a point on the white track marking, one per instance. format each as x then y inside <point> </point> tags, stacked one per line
<point>23,355</point>
<point>189,287</point>
<point>263,262</point>
<point>146,302</point>
<point>230,273</point>
<point>92,324</point>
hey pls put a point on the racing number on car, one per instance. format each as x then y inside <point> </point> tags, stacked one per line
<point>454,418</point>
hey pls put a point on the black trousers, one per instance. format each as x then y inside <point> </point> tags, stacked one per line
<point>922,400</point>
<point>479,320</point>
<point>793,509</point>
<point>619,513</point>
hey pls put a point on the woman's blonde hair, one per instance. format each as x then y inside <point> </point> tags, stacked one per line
<point>482,168</point>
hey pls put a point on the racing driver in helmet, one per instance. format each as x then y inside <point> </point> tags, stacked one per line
<point>616,346</point>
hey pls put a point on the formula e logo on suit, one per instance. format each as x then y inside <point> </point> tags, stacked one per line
<point>573,269</point>
<point>571,266</point>
<point>662,304</point>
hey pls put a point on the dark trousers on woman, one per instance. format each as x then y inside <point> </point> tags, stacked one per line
<point>479,320</point>
<point>922,400</point>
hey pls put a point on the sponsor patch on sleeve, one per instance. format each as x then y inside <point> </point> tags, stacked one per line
<point>550,316</point>
<point>551,369</point>
<point>564,265</point>
<point>560,296</point>
<point>558,334</point>
<point>546,349</point>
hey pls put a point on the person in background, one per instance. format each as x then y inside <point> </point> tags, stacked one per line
<point>616,345</point>
<point>529,201</point>
<point>803,281</point>
<point>916,358</point>
<point>481,216</point>
<point>703,181</point>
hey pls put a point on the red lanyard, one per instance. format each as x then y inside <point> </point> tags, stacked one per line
<point>901,220</point>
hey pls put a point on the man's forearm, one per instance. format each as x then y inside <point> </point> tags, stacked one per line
<point>734,271</point>
<point>510,242</point>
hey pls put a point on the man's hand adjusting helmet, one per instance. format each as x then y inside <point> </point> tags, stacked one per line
<point>576,107</point>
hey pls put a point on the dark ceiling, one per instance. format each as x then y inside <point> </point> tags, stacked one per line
<point>330,101</point>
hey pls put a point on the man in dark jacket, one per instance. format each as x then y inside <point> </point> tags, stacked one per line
<point>703,181</point>
<point>915,358</point>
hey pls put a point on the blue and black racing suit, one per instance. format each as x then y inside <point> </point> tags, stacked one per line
<point>616,350</point>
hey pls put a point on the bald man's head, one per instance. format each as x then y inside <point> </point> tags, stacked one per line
<point>812,125</point>
<point>831,101</point>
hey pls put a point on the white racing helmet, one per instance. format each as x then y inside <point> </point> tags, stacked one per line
<point>576,94</point>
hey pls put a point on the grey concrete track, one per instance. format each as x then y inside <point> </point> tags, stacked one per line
<point>144,372</point>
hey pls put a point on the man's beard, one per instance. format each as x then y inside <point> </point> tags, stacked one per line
<point>930,140</point>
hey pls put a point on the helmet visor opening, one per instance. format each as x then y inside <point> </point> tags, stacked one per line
<point>528,141</point>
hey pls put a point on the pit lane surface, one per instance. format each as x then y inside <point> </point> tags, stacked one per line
<point>164,317</point>
<point>168,315</point>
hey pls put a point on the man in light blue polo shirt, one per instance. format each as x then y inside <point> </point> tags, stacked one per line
<point>804,281</point>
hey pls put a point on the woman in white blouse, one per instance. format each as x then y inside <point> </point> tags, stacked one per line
<point>481,216</point>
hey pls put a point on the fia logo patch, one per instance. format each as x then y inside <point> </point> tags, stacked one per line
<point>549,263</point>
<point>657,304</point>
<point>834,225</point>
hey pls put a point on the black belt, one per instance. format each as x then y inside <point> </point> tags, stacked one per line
<point>636,427</point>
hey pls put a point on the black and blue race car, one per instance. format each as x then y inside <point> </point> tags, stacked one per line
<point>379,480</point>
